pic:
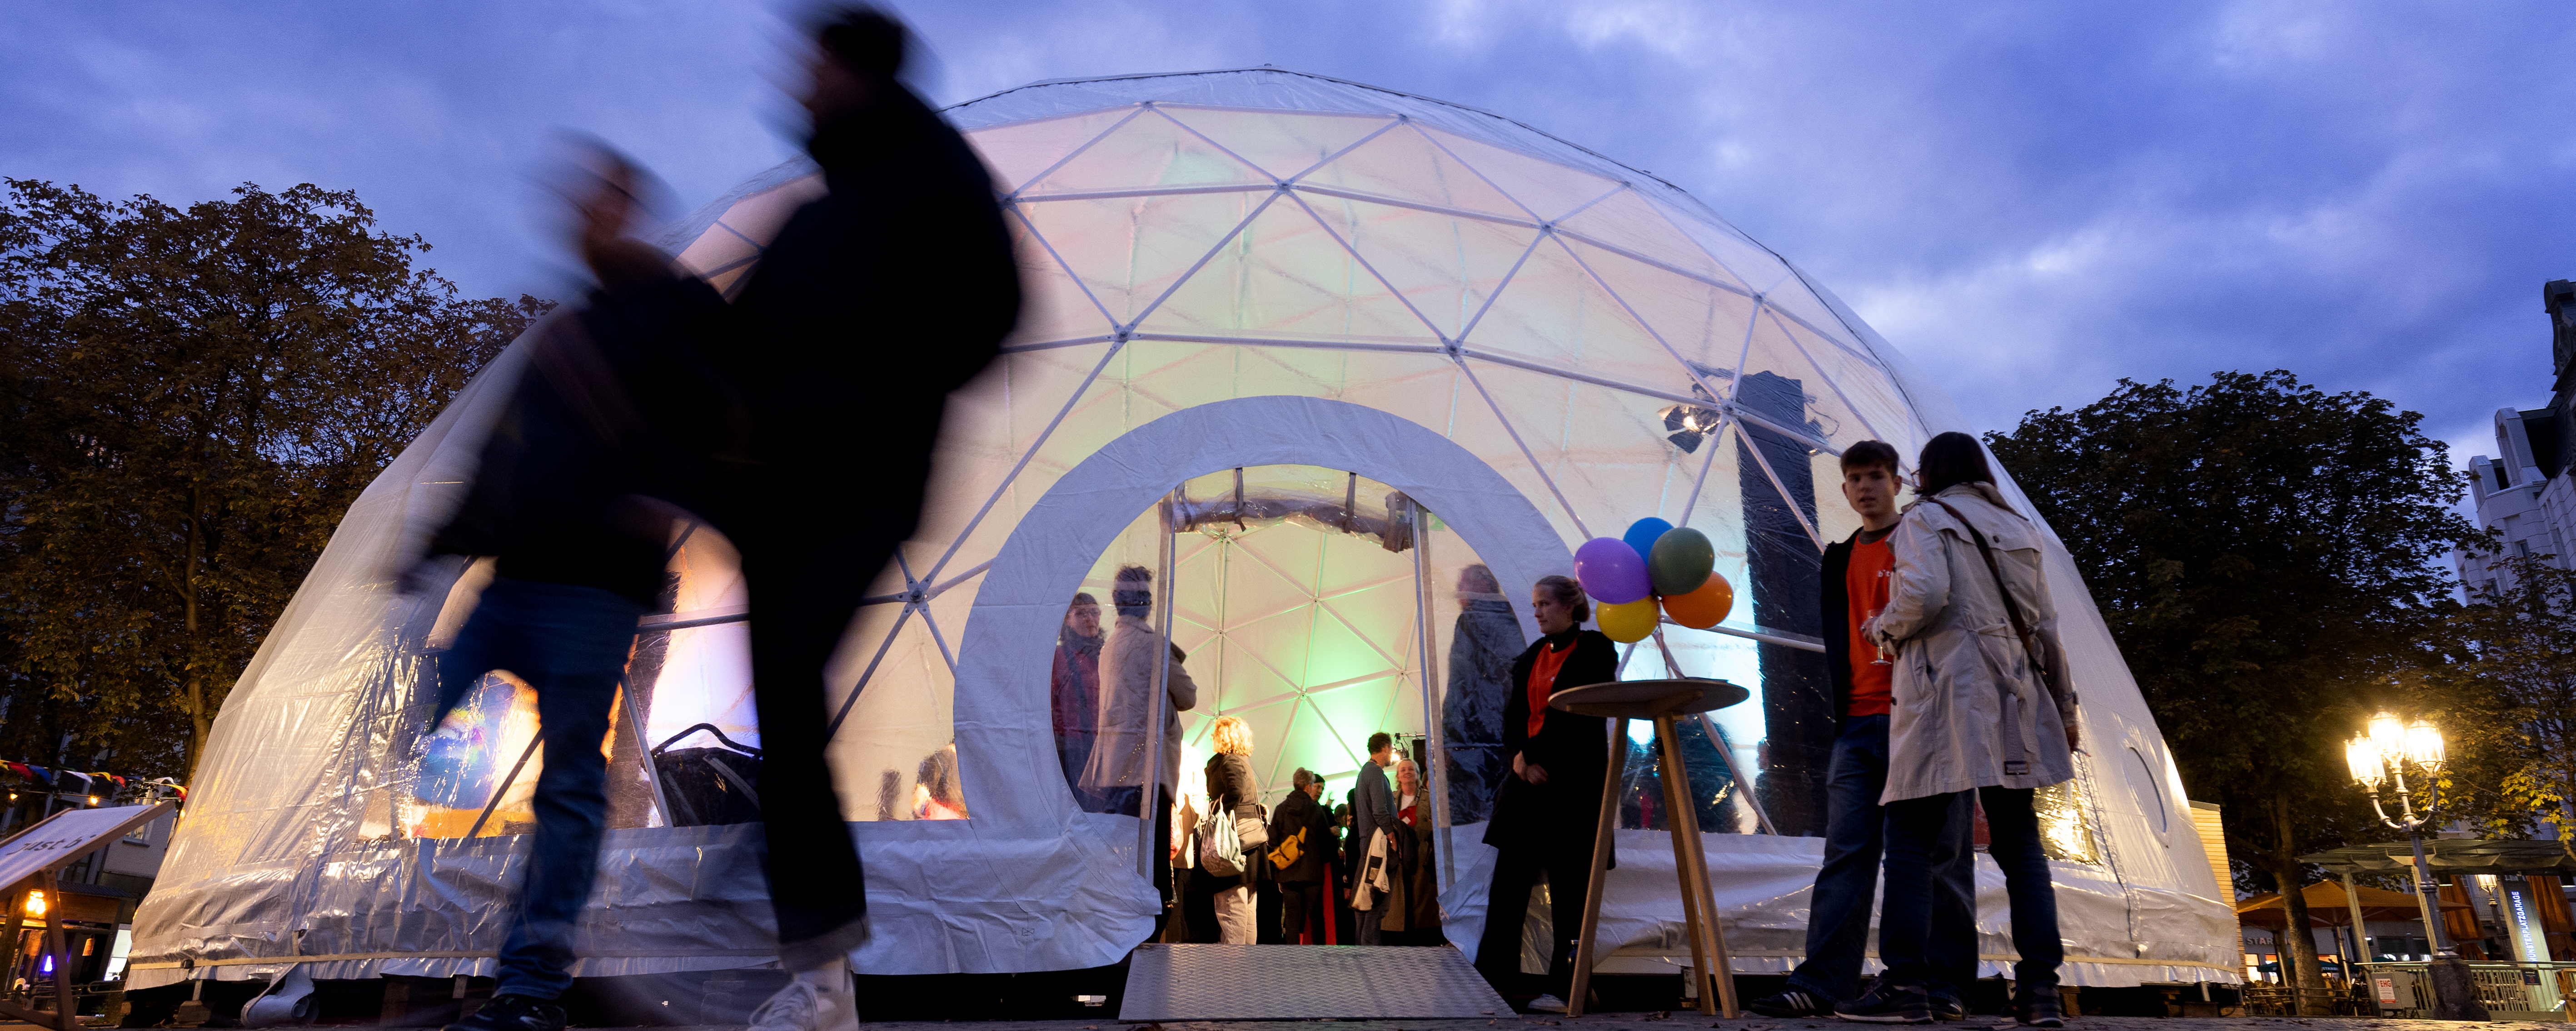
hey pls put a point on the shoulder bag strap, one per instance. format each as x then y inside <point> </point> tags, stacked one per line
<point>2012,609</point>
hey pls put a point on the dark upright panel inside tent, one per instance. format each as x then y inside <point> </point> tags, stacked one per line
<point>1797,697</point>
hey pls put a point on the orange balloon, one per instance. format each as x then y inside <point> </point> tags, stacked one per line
<point>1703,608</point>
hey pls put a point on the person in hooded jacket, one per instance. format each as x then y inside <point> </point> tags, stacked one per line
<point>1549,810</point>
<point>1981,703</point>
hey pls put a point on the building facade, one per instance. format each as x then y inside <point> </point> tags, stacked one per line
<point>2524,491</point>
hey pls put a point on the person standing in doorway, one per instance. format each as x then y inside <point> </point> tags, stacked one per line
<point>1481,648</point>
<point>1301,854</point>
<point>1373,815</point>
<point>1073,693</point>
<point>1549,810</point>
<point>1982,706</point>
<point>1234,795</point>
<point>1128,667</point>
<point>1856,582</point>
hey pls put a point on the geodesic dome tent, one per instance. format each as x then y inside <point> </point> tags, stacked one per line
<point>1348,369</point>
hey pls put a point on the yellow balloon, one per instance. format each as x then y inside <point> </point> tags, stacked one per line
<point>1630,622</point>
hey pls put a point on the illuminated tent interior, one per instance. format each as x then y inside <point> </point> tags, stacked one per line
<point>1311,350</point>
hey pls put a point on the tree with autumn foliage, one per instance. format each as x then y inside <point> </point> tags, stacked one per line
<point>2267,555</point>
<point>190,397</point>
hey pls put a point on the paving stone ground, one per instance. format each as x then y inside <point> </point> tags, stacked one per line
<point>1672,1022</point>
<point>1679,1021</point>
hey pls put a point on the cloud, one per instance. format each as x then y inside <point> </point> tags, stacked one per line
<point>2033,199</point>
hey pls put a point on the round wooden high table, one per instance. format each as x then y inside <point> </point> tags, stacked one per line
<point>1665,702</point>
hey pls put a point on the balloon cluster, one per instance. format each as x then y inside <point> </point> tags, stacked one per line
<point>1654,563</point>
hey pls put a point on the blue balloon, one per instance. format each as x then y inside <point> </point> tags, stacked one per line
<point>1642,534</point>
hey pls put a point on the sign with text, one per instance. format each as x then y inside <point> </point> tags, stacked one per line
<point>2387,989</point>
<point>66,836</point>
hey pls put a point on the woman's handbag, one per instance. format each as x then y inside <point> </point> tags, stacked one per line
<point>1220,851</point>
<point>1253,831</point>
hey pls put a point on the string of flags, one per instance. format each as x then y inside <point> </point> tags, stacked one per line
<point>76,782</point>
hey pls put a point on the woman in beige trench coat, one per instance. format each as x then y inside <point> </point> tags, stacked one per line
<point>1981,703</point>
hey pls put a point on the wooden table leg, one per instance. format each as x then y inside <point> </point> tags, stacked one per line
<point>1721,963</point>
<point>1584,950</point>
<point>1677,803</point>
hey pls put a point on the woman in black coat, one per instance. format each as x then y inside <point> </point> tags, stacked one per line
<point>1234,795</point>
<point>1549,809</point>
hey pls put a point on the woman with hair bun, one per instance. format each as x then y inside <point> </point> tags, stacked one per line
<point>1549,809</point>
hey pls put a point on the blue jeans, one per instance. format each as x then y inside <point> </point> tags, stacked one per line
<point>570,644</point>
<point>1910,923</point>
<point>1856,829</point>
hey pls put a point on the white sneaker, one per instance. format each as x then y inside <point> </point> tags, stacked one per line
<point>1547,1004</point>
<point>814,1000</point>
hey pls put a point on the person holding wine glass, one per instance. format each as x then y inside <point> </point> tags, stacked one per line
<point>1856,585</point>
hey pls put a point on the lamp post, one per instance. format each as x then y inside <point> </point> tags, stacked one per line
<point>2381,754</point>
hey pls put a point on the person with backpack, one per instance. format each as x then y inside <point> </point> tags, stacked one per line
<point>1301,860</point>
<point>1981,703</point>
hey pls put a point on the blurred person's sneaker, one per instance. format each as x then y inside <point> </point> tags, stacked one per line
<point>1886,1003</point>
<point>2038,1005</point>
<point>513,1013</point>
<point>1793,1004</point>
<point>1948,1006</point>
<point>814,1000</point>
<point>1547,1004</point>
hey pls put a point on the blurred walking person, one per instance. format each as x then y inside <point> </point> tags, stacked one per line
<point>562,503</point>
<point>880,297</point>
<point>1481,647</point>
<point>1981,703</point>
<point>1549,811</point>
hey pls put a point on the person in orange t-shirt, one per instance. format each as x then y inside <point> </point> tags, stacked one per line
<point>1855,589</point>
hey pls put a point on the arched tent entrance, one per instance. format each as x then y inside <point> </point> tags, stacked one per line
<point>1003,739</point>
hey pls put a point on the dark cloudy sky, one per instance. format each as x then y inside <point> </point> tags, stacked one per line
<point>2032,200</point>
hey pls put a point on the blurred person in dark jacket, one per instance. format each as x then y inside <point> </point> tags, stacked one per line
<point>869,307</point>
<point>563,501</point>
<point>1481,648</point>
<point>1549,812</point>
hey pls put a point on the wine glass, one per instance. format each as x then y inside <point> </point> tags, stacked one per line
<point>1875,644</point>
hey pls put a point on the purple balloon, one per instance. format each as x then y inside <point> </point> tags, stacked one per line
<point>1611,571</point>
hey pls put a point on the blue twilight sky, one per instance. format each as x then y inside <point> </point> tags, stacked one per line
<point>2031,199</point>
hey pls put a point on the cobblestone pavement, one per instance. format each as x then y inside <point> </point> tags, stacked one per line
<point>1674,1022</point>
<point>1686,1019</point>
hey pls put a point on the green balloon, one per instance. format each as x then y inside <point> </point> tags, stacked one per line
<point>1681,561</point>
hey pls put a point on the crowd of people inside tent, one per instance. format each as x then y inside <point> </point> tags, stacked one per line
<point>1905,793</point>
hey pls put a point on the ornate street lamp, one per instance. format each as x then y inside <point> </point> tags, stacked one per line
<point>2382,754</point>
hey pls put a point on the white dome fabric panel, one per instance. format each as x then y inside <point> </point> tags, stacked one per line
<point>1258,269</point>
